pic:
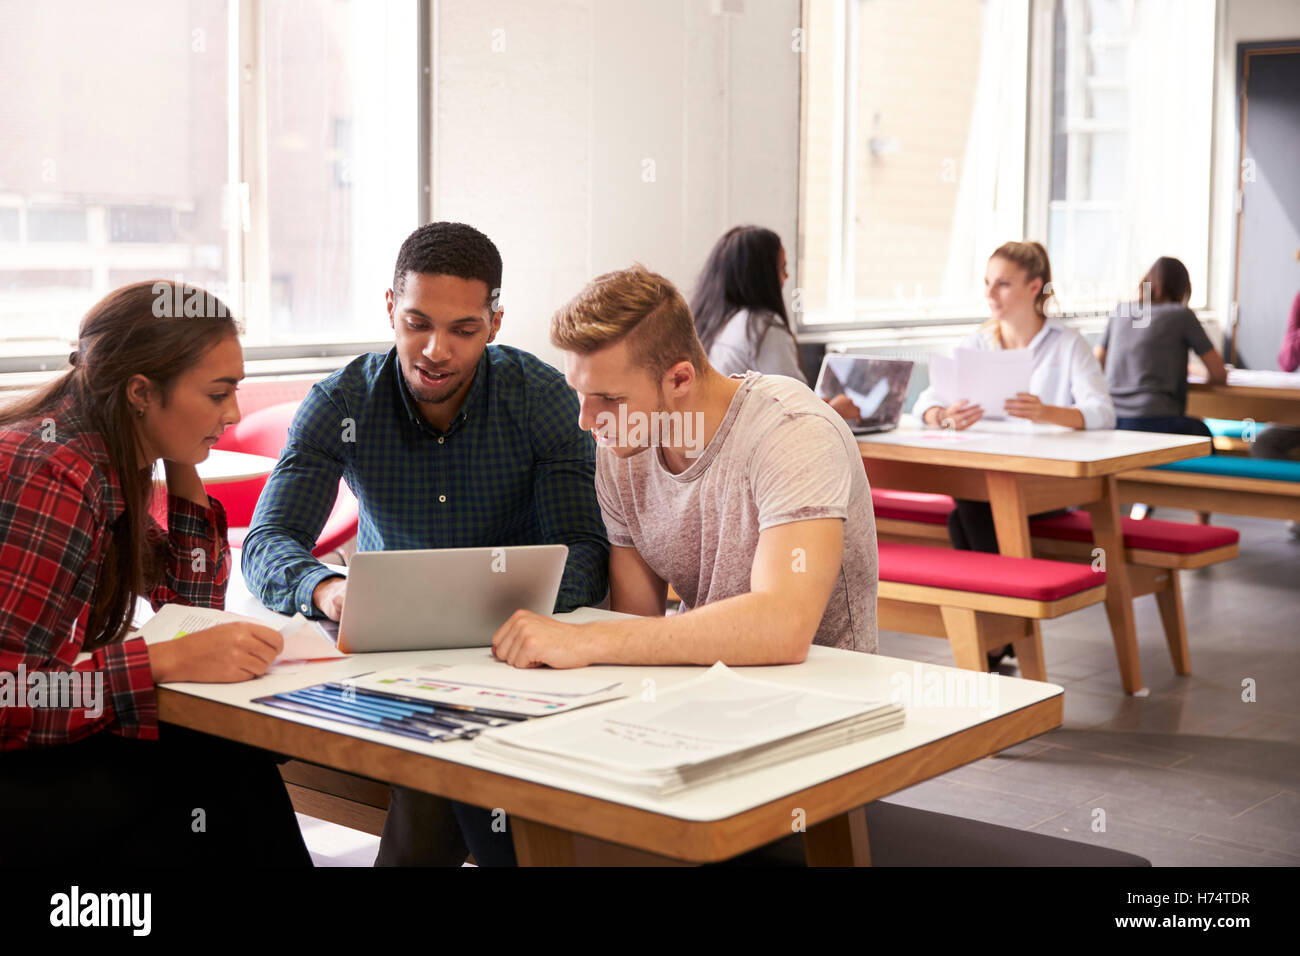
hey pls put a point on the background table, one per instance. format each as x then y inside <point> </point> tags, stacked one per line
<point>1265,396</point>
<point>221,467</point>
<point>558,819</point>
<point>1022,469</point>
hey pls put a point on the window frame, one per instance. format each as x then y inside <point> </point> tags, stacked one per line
<point>248,251</point>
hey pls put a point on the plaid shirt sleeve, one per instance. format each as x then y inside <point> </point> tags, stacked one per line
<point>51,548</point>
<point>564,494</point>
<point>276,560</point>
<point>196,554</point>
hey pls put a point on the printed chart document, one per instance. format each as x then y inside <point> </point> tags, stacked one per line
<point>982,377</point>
<point>303,640</point>
<point>497,688</point>
<point>714,726</point>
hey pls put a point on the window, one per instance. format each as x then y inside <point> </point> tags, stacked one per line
<point>918,159</point>
<point>913,155</point>
<point>1130,168</point>
<point>257,148</point>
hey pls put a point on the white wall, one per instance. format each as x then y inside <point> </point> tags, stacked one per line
<point>1240,21</point>
<point>552,116</point>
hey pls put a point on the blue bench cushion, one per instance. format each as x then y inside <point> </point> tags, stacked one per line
<point>1226,428</point>
<point>1271,469</point>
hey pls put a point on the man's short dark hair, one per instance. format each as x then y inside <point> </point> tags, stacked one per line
<point>449,249</point>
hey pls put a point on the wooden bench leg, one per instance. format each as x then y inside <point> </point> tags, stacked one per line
<point>964,638</point>
<point>1029,653</point>
<point>1170,602</point>
<point>839,841</point>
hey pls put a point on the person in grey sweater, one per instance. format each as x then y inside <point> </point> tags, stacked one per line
<point>1144,352</point>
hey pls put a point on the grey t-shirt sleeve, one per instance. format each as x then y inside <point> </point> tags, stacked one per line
<point>777,353</point>
<point>802,471</point>
<point>1105,335</point>
<point>611,507</point>
<point>1194,333</point>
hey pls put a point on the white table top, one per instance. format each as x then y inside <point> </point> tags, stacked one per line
<point>868,675</point>
<point>993,445</point>
<point>224,466</point>
<point>1256,378</point>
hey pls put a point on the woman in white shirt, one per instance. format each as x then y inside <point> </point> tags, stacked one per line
<point>1067,385</point>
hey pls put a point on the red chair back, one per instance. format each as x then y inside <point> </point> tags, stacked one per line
<point>264,432</point>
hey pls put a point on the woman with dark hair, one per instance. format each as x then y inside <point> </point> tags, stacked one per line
<point>740,313</point>
<point>1147,343</point>
<point>87,772</point>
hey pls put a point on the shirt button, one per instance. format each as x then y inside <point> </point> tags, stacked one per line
<point>304,607</point>
<point>442,498</point>
<point>441,440</point>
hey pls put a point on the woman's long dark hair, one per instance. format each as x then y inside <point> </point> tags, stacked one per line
<point>742,272</point>
<point>140,329</point>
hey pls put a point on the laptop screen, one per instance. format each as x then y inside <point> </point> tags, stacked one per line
<point>877,386</point>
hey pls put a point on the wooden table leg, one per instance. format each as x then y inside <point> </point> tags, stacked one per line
<point>839,841</point>
<point>537,844</point>
<point>1108,534</point>
<point>1011,519</point>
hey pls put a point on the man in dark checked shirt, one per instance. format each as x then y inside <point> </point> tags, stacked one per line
<point>447,442</point>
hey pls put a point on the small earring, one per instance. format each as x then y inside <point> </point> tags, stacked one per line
<point>139,413</point>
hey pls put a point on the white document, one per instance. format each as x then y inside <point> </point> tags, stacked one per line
<point>531,692</point>
<point>711,726</point>
<point>943,378</point>
<point>988,378</point>
<point>303,640</point>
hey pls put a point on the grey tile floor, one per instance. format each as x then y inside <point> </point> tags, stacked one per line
<point>1189,775</point>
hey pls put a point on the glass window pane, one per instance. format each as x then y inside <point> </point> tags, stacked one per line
<point>342,173</point>
<point>115,134</point>
<point>940,151</point>
<point>1130,165</point>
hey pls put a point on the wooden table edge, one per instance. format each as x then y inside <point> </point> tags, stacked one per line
<point>1042,467</point>
<point>596,817</point>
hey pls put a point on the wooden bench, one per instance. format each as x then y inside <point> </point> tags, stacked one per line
<point>980,601</point>
<point>1256,487</point>
<point>1155,550</point>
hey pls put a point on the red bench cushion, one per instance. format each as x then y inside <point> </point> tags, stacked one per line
<point>1034,579</point>
<point>911,505</point>
<point>1173,537</point>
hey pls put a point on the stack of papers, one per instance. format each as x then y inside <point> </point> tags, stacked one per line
<point>438,702</point>
<point>715,726</point>
<point>498,688</point>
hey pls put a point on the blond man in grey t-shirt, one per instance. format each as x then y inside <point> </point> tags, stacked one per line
<point>747,494</point>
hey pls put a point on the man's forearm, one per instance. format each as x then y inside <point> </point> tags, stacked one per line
<point>748,629</point>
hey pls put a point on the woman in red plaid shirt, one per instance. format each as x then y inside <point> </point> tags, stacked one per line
<point>91,777</point>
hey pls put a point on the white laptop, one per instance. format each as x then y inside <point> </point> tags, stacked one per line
<point>448,597</point>
<point>877,386</point>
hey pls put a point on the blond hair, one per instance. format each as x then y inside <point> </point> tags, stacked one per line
<point>1032,257</point>
<point>633,304</point>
